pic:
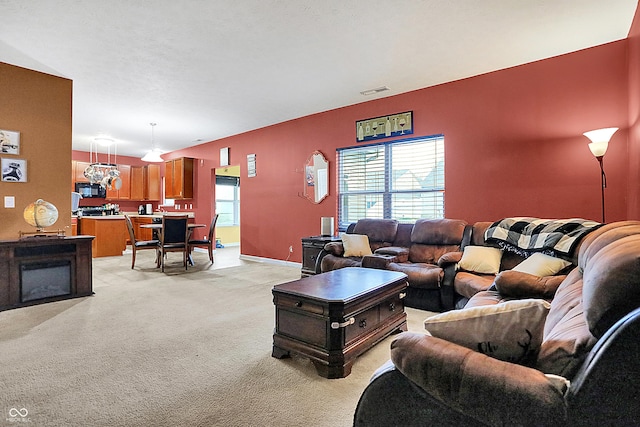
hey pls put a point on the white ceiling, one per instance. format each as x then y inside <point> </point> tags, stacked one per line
<point>206,69</point>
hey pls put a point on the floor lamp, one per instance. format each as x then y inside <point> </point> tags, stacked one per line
<point>598,146</point>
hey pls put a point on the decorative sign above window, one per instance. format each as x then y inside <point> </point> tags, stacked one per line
<point>384,127</point>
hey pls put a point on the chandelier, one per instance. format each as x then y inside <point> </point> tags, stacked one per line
<point>105,174</point>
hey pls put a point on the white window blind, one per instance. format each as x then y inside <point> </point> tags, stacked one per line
<point>403,180</point>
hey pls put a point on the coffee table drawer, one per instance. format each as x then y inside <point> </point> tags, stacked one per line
<point>300,326</point>
<point>392,306</point>
<point>363,322</point>
<point>299,304</point>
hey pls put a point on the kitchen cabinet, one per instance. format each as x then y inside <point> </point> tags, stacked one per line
<point>77,170</point>
<point>124,193</point>
<point>137,182</point>
<point>179,178</point>
<point>145,182</point>
<point>153,182</point>
<point>142,233</point>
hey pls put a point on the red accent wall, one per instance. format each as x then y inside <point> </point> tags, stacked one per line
<point>634,118</point>
<point>513,139</point>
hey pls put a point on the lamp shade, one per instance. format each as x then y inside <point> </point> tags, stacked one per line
<point>152,156</point>
<point>600,140</point>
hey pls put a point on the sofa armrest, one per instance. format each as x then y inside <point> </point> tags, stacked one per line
<point>334,248</point>
<point>380,262</point>
<point>524,285</point>
<point>401,254</point>
<point>449,258</point>
<point>490,390</point>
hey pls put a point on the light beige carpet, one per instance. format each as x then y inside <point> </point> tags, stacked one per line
<point>175,349</point>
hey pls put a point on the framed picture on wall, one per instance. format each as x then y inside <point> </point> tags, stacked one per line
<point>14,170</point>
<point>9,142</point>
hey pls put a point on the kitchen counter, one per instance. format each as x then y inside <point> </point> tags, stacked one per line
<point>132,214</point>
<point>160,214</point>
<point>110,234</point>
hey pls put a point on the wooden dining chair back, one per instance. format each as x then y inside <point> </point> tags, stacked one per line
<point>208,242</point>
<point>136,244</point>
<point>174,237</point>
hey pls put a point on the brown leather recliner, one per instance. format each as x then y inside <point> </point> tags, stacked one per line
<point>430,239</point>
<point>413,249</point>
<point>381,233</point>
<point>590,338</point>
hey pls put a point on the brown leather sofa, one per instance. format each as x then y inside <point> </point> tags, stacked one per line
<point>590,338</point>
<point>413,249</point>
<point>465,284</point>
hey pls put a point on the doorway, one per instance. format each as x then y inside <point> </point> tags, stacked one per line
<point>226,195</point>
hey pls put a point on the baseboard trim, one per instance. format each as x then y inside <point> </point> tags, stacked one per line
<point>270,261</point>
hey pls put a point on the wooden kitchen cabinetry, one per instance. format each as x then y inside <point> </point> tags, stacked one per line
<point>142,233</point>
<point>110,234</point>
<point>124,193</point>
<point>153,182</point>
<point>179,178</point>
<point>137,182</point>
<point>77,169</point>
<point>145,182</point>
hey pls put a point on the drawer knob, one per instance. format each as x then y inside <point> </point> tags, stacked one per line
<point>363,323</point>
<point>298,303</point>
<point>392,306</point>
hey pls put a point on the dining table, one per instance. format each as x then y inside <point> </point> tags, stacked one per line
<point>157,226</point>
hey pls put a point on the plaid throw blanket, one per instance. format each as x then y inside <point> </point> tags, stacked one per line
<point>534,234</point>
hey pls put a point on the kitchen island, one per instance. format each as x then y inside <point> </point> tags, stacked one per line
<point>110,231</point>
<point>110,234</point>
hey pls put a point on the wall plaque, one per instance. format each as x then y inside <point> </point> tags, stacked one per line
<point>384,127</point>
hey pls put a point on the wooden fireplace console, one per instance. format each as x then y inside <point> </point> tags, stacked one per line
<point>21,260</point>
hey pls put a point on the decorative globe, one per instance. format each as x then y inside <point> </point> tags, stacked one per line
<point>41,214</point>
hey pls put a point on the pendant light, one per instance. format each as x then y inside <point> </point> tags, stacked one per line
<point>153,156</point>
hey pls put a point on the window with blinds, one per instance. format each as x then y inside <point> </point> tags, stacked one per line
<point>403,180</point>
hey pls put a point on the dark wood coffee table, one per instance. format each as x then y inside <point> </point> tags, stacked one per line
<point>334,317</point>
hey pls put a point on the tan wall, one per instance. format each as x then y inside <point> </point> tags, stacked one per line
<point>228,235</point>
<point>38,106</point>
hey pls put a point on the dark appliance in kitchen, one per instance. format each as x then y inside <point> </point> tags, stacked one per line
<point>108,209</point>
<point>88,190</point>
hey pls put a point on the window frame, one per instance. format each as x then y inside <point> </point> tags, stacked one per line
<point>386,192</point>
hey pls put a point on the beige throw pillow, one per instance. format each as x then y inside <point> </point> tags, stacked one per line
<point>541,265</point>
<point>356,245</point>
<point>510,331</point>
<point>481,259</point>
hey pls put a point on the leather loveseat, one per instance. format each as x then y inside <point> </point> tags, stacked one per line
<point>585,372</point>
<point>413,249</point>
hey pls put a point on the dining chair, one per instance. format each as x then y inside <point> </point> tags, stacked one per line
<point>174,237</point>
<point>209,241</point>
<point>136,244</point>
